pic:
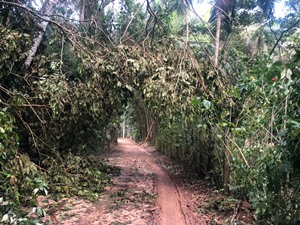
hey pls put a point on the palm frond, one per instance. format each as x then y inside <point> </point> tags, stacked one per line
<point>267,6</point>
<point>227,9</point>
<point>177,6</point>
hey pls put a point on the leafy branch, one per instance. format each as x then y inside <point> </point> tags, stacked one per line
<point>282,34</point>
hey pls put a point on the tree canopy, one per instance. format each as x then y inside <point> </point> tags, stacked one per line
<point>219,96</point>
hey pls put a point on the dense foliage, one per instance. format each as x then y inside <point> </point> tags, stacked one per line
<point>221,98</point>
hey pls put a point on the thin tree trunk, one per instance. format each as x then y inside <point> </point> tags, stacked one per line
<point>217,42</point>
<point>124,128</point>
<point>82,10</point>
<point>186,22</point>
<point>227,162</point>
<point>255,47</point>
<point>147,124</point>
<point>226,171</point>
<point>48,9</point>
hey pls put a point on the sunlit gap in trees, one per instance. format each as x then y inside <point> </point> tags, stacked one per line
<point>203,8</point>
<point>37,4</point>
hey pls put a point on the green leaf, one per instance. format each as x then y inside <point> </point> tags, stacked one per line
<point>195,100</point>
<point>2,130</point>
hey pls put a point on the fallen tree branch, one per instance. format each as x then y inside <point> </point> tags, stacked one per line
<point>237,209</point>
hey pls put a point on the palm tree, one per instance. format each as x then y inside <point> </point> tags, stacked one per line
<point>223,15</point>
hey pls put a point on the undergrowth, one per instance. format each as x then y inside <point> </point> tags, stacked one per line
<point>60,175</point>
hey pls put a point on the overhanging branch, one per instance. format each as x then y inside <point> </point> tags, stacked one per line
<point>282,34</point>
<point>46,18</point>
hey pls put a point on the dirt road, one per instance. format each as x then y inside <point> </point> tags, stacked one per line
<point>168,199</point>
<point>143,194</point>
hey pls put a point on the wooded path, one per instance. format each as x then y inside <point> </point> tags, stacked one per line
<point>168,198</point>
<point>142,194</point>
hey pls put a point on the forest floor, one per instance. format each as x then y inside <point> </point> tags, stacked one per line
<point>151,190</point>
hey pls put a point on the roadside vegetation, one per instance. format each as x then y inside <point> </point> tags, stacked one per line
<point>219,96</point>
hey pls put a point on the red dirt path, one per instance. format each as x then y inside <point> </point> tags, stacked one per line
<point>143,194</point>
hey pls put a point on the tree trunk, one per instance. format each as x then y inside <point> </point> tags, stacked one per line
<point>124,128</point>
<point>217,41</point>
<point>226,171</point>
<point>186,22</point>
<point>47,9</point>
<point>227,161</point>
<point>147,124</point>
<point>82,10</point>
